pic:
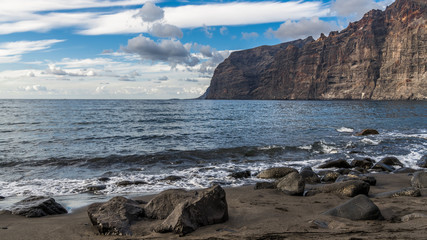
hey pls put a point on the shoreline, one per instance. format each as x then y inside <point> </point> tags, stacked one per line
<point>255,214</point>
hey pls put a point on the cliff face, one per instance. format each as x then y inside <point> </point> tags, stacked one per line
<point>382,57</point>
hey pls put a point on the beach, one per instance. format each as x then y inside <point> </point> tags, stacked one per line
<point>255,214</point>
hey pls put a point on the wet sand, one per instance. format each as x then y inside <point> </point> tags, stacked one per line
<point>254,214</point>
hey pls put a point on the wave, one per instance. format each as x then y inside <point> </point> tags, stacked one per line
<point>345,130</point>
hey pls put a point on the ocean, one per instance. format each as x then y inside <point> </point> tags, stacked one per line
<point>60,147</point>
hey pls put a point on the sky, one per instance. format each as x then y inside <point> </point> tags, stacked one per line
<point>140,49</point>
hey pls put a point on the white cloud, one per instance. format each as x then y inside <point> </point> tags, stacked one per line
<point>354,9</point>
<point>33,88</point>
<point>251,35</point>
<point>13,51</point>
<point>150,12</point>
<point>301,29</point>
<point>223,30</point>
<point>165,31</point>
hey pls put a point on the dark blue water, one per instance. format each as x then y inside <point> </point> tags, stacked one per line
<point>58,147</point>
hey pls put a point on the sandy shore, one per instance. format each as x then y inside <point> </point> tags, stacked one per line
<point>255,214</point>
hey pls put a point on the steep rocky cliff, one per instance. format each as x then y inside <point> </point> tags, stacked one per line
<point>383,56</point>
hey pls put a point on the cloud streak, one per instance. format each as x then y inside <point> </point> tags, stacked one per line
<point>13,51</point>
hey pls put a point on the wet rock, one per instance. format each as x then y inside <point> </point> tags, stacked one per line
<point>367,131</point>
<point>172,178</point>
<point>330,177</point>
<point>413,216</point>
<point>391,161</point>
<point>165,202</point>
<point>128,183</point>
<point>241,174</point>
<point>104,179</point>
<point>93,188</point>
<point>208,207</point>
<point>276,173</point>
<point>348,189</point>
<point>265,185</point>
<point>404,170</point>
<point>368,179</point>
<point>419,180</point>
<point>37,206</point>
<point>422,162</point>
<point>404,192</point>
<point>115,216</point>
<point>343,171</point>
<point>2,198</point>
<point>309,176</point>
<point>291,184</point>
<point>357,208</point>
<point>341,163</point>
<point>382,167</point>
<point>365,163</point>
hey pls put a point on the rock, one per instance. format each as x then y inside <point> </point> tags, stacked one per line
<point>276,173</point>
<point>104,179</point>
<point>2,198</point>
<point>37,206</point>
<point>241,174</point>
<point>165,202</point>
<point>413,216</point>
<point>367,131</point>
<point>265,185</point>
<point>128,183</point>
<point>343,171</point>
<point>115,216</point>
<point>341,163</point>
<point>209,207</point>
<point>357,208</point>
<point>422,162</point>
<point>330,177</point>
<point>419,180</point>
<point>309,176</point>
<point>365,163</point>
<point>391,161</point>
<point>404,170</point>
<point>348,188</point>
<point>383,167</point>
<point>368,179</point>
<point>291,184</point>
<point>172,178</point>
<point>405,192</point>
<point>93,188</point>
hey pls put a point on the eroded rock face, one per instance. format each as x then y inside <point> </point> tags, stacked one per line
<point>37,206</point>
<point>381,57</point>
<point>357,208</point>
<point>115,216</point>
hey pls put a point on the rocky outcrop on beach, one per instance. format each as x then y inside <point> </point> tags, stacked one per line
<point>37,206</point>
<point>383,56</point>
<point>357,208</point>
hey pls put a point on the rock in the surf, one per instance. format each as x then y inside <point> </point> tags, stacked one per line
<point>37,206</point>
<point>365,163</point>
<point>369,179</point>
<point>276,173</point>
<point>391,161</point>
<point>330,176</point>
<point>357,208</point>
<point>382,167</point>
<point>115,216</point>
<point>241,174</point>
<point>367,131</point>
<point>340,163</point>
<point>309,176</point>
<point>422,162</point>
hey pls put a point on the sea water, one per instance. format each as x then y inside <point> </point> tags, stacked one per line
<point>60,147</point>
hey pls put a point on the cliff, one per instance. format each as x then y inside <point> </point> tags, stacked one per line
<point>383,56</point>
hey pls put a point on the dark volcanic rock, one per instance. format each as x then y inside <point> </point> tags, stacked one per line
<point>93,188</point>
<point>242,174</point>
<point>357,208</point>
<point>277,172</point>
<point>291,184</point>
<point>419,180</point>
<point>165,202</point>
<point>103,179</point>
<point>209,207</point>
<point>405,192</point>
<point>128,183</point>
<point>37,206</point>
<point>367,131</point>
<point>172,178</point>
<point>309,176</point>
<point>382,56</point>
<point>341,163</point>
<point>368,179</point>
<point>330,176</point>
<point>348,188</point>
<point>365,163</point>
<point>391,161</point>
<point>404,170</point>
<point>422,162</point>
<point>2,198</point>
<point>379,166</point>
<point>115,216</point>
<point>265,185</point>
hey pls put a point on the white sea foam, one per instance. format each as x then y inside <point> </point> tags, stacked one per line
<point>370,141</point>
<point>345,130</point>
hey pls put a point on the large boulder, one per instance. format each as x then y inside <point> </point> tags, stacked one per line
<point>37,206</point>
<point>309,176</point>
<point>369,179</point>
<point>422,162</point>
<point>348,188</point>
<point>419,180</point>
<point>365,163</point>
<point>367,131</point>
<point>208,207</point>
<point>291,184</point>
<point>165,202</point>
<point>276,173</point>
<point>341,163</point>
<point>391,161</point>
<point>115,216</point>
<point>330,176</point>
<point>357,208</point>
<point>382,167</point>
<point>404,192</point>
<point>241,174</point>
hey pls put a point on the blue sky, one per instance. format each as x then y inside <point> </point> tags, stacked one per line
<point>138,49</point>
